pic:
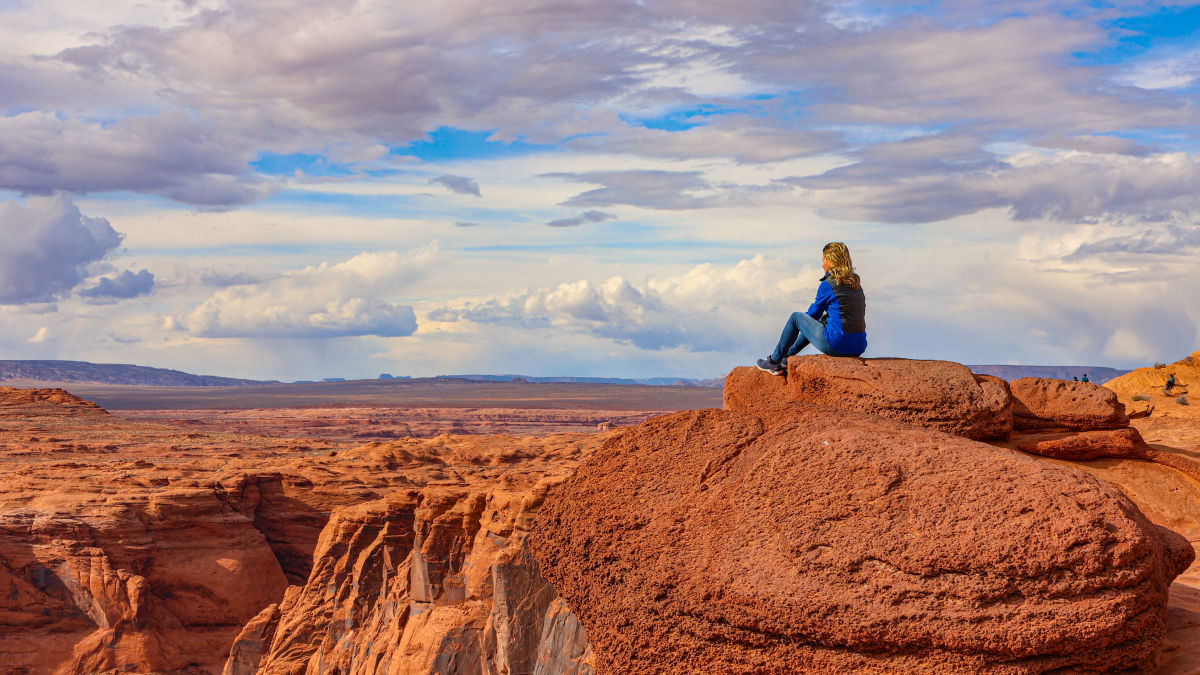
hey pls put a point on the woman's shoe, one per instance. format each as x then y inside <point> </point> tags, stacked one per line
<point>768,366</point>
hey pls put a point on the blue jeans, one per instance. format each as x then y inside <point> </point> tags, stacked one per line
<point>800,330</point>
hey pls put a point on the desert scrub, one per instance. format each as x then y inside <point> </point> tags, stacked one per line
<point>1181,399</point>
<point>1139,397</point>
<point>1159,365</point>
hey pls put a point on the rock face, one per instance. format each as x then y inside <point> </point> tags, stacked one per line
<point>430,581</point>
<point>11,396</point>
<point>936,394</point>
<point>813,540</point>
<point>1044,403</point>
<point>1085,445</point>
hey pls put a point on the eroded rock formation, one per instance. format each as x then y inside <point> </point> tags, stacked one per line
<point>127,547</point>
<point>816,540</point>
<point>1045,403</point>
<point>431,581</point>
<point>935,394</point>
<point>778,536</point>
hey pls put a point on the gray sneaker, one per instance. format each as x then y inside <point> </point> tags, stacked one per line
<point>768,366</point>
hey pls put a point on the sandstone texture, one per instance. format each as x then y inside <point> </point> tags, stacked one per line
<point>1085,445</point>
<point>131,547</point>
<point>1150,381</point>
<point>817,540</point>
<point>782,536</point>
<point>1045,403</point>
<point>59,398</point>
<point>360,424</point>
<point>431,581</point>
<point>936,394</point>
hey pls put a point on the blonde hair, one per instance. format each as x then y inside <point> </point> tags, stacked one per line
<point>840,266</point>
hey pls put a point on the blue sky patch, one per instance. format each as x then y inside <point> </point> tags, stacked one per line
<point>691,117</point>
<point>275,164</point>
<point>449,143</point>
<point>1133,36</point>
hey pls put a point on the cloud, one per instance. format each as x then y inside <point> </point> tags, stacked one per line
<point>465,223</point>
<point>171,155</point>
<point>339,300</point>
<point>1138,240</point>
<point>125,285</point>
<point>709,308</point>
<point>42,335</point>
<point>651,189</point>
<point>742,138</point>
<point>1163,72</point>
<point>221,278</point>
<point>1063,185</point>
<point>218,84</point>
<point>585,218</point>
<point>460,184</point>
<point>48,246</point>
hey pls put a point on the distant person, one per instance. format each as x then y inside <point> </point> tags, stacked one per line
<point>1085,378</point>
<point>835,323</point>
<point>1170,384</point>
<point>1074,378</point>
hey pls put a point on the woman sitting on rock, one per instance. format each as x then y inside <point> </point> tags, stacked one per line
<point>835,323</point>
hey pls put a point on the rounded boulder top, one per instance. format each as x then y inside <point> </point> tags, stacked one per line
<point>832,541</point>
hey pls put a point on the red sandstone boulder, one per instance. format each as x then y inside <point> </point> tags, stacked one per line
<point>1085,445</point>
<point>937,394</point>
<point>1047,403</point>
<point>830,541</point>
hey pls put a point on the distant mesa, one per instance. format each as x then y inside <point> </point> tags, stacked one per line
<point>111,373</point>
<point>1097,374</point>
<point>389,376</point>
<point>713,382</point>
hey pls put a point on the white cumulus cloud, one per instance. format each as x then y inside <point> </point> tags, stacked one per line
<point>711,307</point>
<point>338,300</point>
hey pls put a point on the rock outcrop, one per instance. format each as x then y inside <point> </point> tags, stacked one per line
<point>935,394</point>
<point>1149,381</point>
<point>430,581</point>
<point>793,532</point>
<point>128,547</point>
<point>12,396</point>
<point>1086,445</point>
<point>815,540</point>
<point>1044,403</point>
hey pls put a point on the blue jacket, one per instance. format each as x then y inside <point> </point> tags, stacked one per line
<point>846,327</point>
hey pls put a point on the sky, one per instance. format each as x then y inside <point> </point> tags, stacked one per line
<point>297,190</point>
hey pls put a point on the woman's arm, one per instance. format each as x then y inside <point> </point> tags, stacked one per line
<point>821,304</point>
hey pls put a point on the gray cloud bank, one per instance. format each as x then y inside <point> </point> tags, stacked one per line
<point>585,218</point>
<point>240,77</point>
<point>460,184</point>
<point>47,248</point>
<point>123,286</point>
<point>1070,186</point>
